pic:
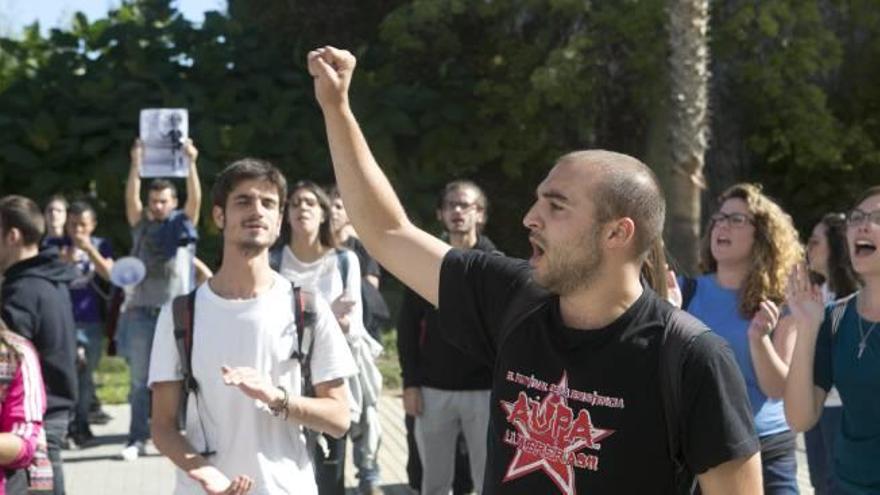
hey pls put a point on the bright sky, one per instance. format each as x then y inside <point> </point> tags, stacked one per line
<point>15,14</point>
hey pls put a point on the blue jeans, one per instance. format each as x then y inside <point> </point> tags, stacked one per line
<point>92,336</point>
<point>780,475</point>
<point>365,439</point>
<point>820,447</point>
<point>136,329</point>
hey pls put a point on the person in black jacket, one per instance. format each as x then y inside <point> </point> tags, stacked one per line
<point>36,304</point>
<point>446,389</point>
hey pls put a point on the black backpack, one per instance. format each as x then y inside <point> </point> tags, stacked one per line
<point>375,310</point>
<point>305,315</point>
<point>681,331</point>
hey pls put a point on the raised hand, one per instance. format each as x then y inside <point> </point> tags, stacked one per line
<point>137,154</point>
<point>342,308</point>
<point>765,320</point>
<point>254,384</point>
<point>343,305</point>
<point>331,69</point>
<point>804,299</point>
<point>673,291</point>
<point>190,150</point>
<point>81,240</point>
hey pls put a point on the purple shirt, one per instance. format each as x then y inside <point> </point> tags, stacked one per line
<point>87,301</point>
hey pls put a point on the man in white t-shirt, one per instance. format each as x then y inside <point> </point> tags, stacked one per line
<point>244,425</point>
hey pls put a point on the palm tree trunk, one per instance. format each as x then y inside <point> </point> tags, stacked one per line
<point>688,25</point>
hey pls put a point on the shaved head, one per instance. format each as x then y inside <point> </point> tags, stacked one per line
<point>622,186</point>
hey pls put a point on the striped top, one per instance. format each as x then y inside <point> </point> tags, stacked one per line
<point>22,404</point>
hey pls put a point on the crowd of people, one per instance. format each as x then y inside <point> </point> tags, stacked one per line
<point>568,372</point>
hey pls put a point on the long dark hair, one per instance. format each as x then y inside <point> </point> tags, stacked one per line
<point>842,279</point>
<point>654,268</point>
<point>325,231</point>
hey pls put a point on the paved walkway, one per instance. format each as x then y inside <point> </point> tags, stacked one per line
<point>97,471</point>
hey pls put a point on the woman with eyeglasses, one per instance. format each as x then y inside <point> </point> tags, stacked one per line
<point>308,255</point>
<point>829,265</point>
<point>839,346</point>
<point>749,248</point>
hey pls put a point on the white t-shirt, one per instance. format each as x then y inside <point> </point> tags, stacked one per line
<point>325,278</point>
<point>259,333</point>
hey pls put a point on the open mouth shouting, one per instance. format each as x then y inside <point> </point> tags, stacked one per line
<point>723,241</point>
<point>863,248</point>
<point>537,250</point>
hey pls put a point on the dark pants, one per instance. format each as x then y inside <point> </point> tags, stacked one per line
<point>55,426</point>
<point>779,464</point>
<point>330,472</point>
<point>91,335</point>
<point>820,445</point>
<point>461,483</point>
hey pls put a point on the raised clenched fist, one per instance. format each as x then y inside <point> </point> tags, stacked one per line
<point>331,69</point>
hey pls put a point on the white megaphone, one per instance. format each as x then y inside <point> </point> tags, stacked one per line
<point>127,272</point>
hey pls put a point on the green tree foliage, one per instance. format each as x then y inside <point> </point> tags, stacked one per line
<point>71,110</point>
<point>498,90</point>
<point>798,78</point>
<point>490,90</point>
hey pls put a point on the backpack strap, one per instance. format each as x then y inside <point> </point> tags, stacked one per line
<point>342,263</point>
<point>183,311</point>
<point>304,315</point>
<point>681,331</point>
<point>837,311</point>
<point>688,289</point>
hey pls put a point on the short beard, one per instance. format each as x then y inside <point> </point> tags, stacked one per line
<point>577,268</point>
<point>251,248</point>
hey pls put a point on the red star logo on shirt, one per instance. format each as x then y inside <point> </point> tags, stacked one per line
<point>549,437</point>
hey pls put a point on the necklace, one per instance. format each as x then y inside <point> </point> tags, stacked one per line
<point>863,336</point>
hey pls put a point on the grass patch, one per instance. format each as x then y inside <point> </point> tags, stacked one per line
<point>111,380</point>
<point>388,363</point>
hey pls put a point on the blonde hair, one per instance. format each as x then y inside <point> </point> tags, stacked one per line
<point>774,253</point>
<point>8,351</point>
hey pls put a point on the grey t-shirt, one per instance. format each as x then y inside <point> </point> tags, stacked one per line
<point>166,277</point>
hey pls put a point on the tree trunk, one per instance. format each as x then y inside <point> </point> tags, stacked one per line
<point>688,25</point>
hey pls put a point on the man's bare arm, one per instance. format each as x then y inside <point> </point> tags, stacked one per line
<point>193,185</point>
<point>736,477</point>
<point>173,445</point>
<point>134,208</point>
<point>326,412</point>
<point>203,272</point>
<point>414,256</point>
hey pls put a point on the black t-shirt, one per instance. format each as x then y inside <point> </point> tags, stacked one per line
<point>368,264</point>
<point>577,411</point>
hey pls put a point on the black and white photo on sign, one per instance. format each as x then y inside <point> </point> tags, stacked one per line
<point>163,132</point>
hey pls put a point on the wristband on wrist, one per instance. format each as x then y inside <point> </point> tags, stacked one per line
<point>279,407</point>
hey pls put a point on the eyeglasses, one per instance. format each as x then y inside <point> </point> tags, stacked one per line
<point>453,205</point>
<point>857,217</point>
<point>735,220</point>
